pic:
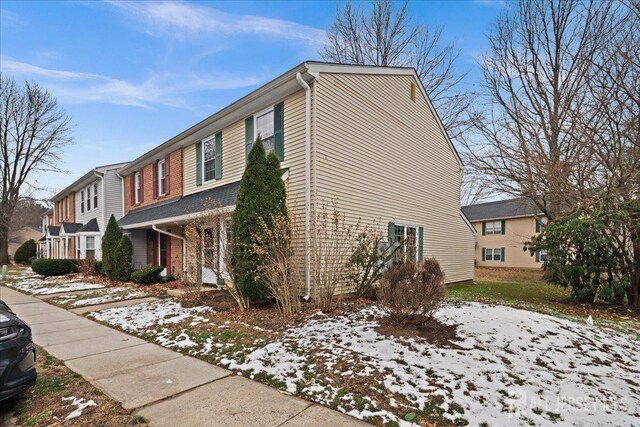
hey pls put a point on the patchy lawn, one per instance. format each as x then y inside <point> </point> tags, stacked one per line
<point>99,296</point>
<point>518,275</point>
<point>61,396</point>
<point>496,363</point>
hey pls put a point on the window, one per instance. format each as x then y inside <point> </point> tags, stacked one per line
<point>138,190</point>
<point>211,249</point>
<point>95,196</point>
<point>162,190</point>
<point>407,238</point>
<point>90,247</point>
<point>493,227</point>
<point>163,250</point>
<point>88,198</point>
<point>493,254</point>
<point>209,161</point>
<point>264,129</point>
<point>541,256</point>
<point>82,201</point>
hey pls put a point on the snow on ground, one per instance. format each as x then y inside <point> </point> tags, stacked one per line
<point>100,296</point>
<point>80,404</point>
<point>507,366</point>
<point>37,286</point>
<point>140,317</point>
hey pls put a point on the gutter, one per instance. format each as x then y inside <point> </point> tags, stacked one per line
<point>184,246</point>
<point>307,186</point>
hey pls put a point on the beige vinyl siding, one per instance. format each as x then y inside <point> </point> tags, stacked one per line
<point>233,157</point>
<point>385,159</point>
<point>517,232</point>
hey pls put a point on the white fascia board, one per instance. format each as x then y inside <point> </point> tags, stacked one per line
<point>175,220</point>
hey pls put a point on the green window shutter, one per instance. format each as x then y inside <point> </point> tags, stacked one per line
<point>484,257</point>
<point>484,229</point>
<point>278,130</point>
<point>420,243</point>
<point>392,233</point>
<point>248,137</point>
<point>502,254</point>
<point>199,163</point>
<point>503,226</point>
<point>218,161</point>
<point>537,256</point>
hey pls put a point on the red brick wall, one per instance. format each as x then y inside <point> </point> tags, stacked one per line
<point>62,214</point>
<point>175,183</point>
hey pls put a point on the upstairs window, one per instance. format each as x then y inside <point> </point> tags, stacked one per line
<point>264,128</point>
<point>95,196</point>
<point>88,198</point>
<point>162,182</point>
<point>493,227</point>
<point>138,190</point>
<point>209,159</point>
<point>82,201</point>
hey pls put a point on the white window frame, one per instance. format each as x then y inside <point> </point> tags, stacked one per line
<point>136,185</point>
<point>81,201</point>
<point>496,228</point>
<point>87,248</point>
<point>494,251</point>
<point>162,175</point>
<point>404,239</point>
<point>542,255</point>
<point>88,198</point>
<point>255,127</point>
<point>95,195</point>
<point>211,140</point>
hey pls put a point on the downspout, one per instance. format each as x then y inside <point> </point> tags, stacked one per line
<point>121,190</point>
<point>184,243</point>
<point>307,186</point>
<point>103,201</point>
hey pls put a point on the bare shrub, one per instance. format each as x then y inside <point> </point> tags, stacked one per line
<point>413,292</point>
<point>208,246</point>
<point>280,265</point>
<point>334,243</point>
<point>85,266</point>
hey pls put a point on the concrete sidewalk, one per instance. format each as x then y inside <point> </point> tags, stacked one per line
<point>165,387</point>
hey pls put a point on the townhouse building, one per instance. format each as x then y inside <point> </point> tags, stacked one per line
<point>367,137</point>
<point>503,227</point>
<point>75,224</point>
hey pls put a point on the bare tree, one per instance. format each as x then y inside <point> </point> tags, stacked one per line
<point>612,123</point>
<point>386,35</point>
<point>33,133</point>
<point>535,76</point>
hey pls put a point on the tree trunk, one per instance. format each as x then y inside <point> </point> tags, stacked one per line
<point>633,293</point>
<point>4,243</point>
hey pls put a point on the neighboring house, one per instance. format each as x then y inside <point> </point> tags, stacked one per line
<point>364,135</point>
<point>502,228</point>
<point>21,235</point>
<point>74,226</point>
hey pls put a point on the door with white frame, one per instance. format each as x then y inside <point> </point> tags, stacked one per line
<point>214,241</point>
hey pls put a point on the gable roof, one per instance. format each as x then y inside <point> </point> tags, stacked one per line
<point>53,230</point>
<point>501,209</point>
<point>90,227</point>
<point>224,196</point>
<point>70,227</point>
<point>267,94</point>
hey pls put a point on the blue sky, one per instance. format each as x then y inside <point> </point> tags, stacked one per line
<point>133,74</point>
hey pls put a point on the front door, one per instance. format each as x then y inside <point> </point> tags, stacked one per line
<point>210,259</point>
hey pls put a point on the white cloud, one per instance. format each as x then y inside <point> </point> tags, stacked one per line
<point>491,3</point>
<point>166,89</point>
<point>181,20</point>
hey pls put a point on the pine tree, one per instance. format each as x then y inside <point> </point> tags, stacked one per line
<point>262,195</point>
<point>117,251</point>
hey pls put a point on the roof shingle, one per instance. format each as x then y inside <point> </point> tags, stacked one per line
<point>501,209</point>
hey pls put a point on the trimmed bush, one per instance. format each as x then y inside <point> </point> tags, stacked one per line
<point>117,252</point>
<point>148,274</point>
<point>261,197</point>
<point>53,267</point>
<point>413,292</point>
<point>25,252</point>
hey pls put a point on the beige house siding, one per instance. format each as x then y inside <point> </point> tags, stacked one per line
<point>517,232</point>
<point>385,158</point>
